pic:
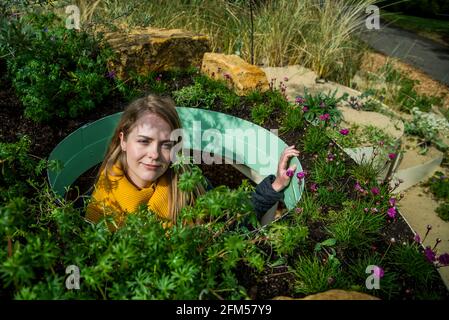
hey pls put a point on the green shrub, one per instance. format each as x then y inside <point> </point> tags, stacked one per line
<point>315,141</point>
<point>354,228</point>
<point>439,185</point>
<point>443,211</point>
<point>260,113</point>
<point>61,73</point>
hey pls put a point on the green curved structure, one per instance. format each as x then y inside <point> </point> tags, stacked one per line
<point>254,150</point>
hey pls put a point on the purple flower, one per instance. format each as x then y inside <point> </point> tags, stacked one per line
<point>290,173</point>
<point>392,202</point>
<point>299,210</point>
<point>444,259</point>
<point>111,74</point>
<point>392,156</point>
<point>430,255</point>
<point>159,77</point>
<point>375,191</point>
<point>344,131</point>
<point>300,175</point>
<point>417,238</point>
<point>378,272</point>
<point>391,212</point>
<point>314,187</point>
<point>305,109</point>
<point>325,117</point>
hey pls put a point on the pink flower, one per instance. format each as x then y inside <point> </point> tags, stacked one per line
<point>314,187</point>
<point>299,210</point>
<point>357,187</point>
<point>391,212</point>
<point>300,175</point>
<point>305,109</point>
<point>375,191</point>
<point>324,117</point>
<point>290,173</point>
<point>378,272</point>
<point>285,79</point>
<point>299,100</point>
<point>344,131</point>
<point>392,156</point>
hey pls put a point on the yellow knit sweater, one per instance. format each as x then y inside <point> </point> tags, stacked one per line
<point>120,197</point>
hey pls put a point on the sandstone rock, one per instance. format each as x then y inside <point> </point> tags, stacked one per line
<point>334,294</point>
<point>150,49</point>
<point>240,75</point>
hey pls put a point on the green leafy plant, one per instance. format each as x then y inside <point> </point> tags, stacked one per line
<point>285,238</point>
<point>321,108</point>
<point>62,73</point>
<point>443,211</point>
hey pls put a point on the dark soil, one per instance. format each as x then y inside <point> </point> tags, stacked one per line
<point>273,281</point>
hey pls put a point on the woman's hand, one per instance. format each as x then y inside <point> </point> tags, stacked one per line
<point>282,177</point>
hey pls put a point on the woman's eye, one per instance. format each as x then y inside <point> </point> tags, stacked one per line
<point>167,145</point>
<point>143,141</point>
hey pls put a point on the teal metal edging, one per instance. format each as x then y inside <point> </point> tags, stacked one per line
<point>242,141</point>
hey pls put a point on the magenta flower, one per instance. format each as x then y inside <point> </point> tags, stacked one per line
<point>391,212</point>
<point>344,131</point>
<point>375,191</point>
<point>430,255</point>
<point>314,187</point>
<point>417,238</point>
<point>324,117</point>
<point>305,109</point>
<point>444,259</point>
<point>299,100</point>
<point>392,156</point>
<point>300,175</point>
<point>290,173</point>
<point>378,272</point>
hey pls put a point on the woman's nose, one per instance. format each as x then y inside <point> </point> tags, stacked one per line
<point>153,151</point>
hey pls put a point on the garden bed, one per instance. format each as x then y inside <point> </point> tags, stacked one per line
<point>285,268</point>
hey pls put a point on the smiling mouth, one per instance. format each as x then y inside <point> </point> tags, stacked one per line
<point>151,167</point>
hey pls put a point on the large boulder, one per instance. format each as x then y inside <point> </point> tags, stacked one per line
<point>150,49</point>
<point>238,74</point>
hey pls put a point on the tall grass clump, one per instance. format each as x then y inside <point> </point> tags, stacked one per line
<point>322,37</point>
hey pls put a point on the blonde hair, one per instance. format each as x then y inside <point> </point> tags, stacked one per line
<point>163,107</point>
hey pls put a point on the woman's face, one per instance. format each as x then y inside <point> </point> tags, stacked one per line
<point>147,149</point>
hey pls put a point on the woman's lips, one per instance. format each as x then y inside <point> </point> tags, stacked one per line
<point>151,167</point>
